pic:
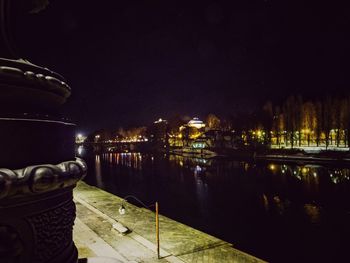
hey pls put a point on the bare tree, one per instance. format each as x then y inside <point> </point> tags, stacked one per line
<point>290,109</point>
<point>308,121</point>
<point>298,116</point>
<point>327,118</point>
<point>319,121</point>
<point>275,126</point>
<point>213,122</point>
<point>267,121</point>
<point>343,120</point>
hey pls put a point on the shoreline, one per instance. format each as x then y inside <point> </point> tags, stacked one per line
<point>289,155</point>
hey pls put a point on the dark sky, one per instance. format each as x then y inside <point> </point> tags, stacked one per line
<point>130,62</point>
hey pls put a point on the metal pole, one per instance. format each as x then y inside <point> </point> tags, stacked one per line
<point>157,230</point>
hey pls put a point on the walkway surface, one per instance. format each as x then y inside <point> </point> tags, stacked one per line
<point>95,236</point>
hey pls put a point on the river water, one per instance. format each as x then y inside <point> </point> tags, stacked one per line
<point>277,212</point>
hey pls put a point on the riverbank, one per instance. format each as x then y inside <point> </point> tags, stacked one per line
<point>94,234</point>
<point>297,155</point>
<point>304,156</point>
<point>312,155</point>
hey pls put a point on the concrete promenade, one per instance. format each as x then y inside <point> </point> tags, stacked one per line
<point>95,236</point>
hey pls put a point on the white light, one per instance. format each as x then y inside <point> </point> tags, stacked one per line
<point>80,150</point>
<point>198,168</point>
<point>160,120</point>
<point>121,210</point>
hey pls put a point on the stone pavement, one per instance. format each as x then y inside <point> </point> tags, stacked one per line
<point>94,234</point>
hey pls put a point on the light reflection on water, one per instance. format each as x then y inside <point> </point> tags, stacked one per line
<point>307,175</point>
<point>80,150</point>
<point>98,172</point>
<point>313,212</point>
<point>131,160</point>
<point>198,192</point>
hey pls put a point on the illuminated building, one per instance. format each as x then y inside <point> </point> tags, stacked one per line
<point>196,123</point>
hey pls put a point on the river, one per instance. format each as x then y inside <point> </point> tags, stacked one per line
<point>277,212</point>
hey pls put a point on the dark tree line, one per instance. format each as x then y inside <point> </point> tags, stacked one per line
<point>294,123</point>
<point>298,123</point>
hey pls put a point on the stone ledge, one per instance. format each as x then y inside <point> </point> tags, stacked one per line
<point>183,243</point>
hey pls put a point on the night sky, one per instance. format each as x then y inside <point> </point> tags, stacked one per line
<point>131,62</point>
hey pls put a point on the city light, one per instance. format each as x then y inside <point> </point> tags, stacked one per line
<point>304,170</point>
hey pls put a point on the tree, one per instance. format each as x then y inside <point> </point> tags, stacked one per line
<point>344,111</point>
<point>308,121</point>
<point>319,122</point>
<point>347,121</point>
<point>336,115</point>
<point>327,118</point>
<point>279,126</point>
<point>213,122</point>
<point>267,121</point>
<point>290,109</point>
<point>298,116</point>
<point>174,124</point>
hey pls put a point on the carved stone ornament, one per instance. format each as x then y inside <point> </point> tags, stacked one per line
<point>32,85</point>
<point>34,76</point>
<point>38,179</point>
<point>53,230</point>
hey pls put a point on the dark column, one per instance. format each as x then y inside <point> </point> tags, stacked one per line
<point>38,168</point>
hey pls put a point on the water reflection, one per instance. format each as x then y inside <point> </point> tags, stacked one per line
<point>313,212</point>
<point>230,198</point>
<point>190,162</point>
<point>265,202</point>
<point>132,160</point>
<point>201,189</point>
<point>80,150</point>
<point>306,184</point>
<point>279,205</point>
<point>310,173</point>
<point>98,173</point>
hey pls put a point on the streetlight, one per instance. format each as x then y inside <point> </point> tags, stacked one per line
<point>97,137</point>
<point>122,211</point>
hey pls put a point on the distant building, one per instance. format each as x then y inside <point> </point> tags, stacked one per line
<point>160,120</point>
<point>196,123</point>
<point>158,133</point>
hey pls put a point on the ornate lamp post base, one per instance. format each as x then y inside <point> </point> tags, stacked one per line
<point>38,168</point>
<point>37,212</point>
